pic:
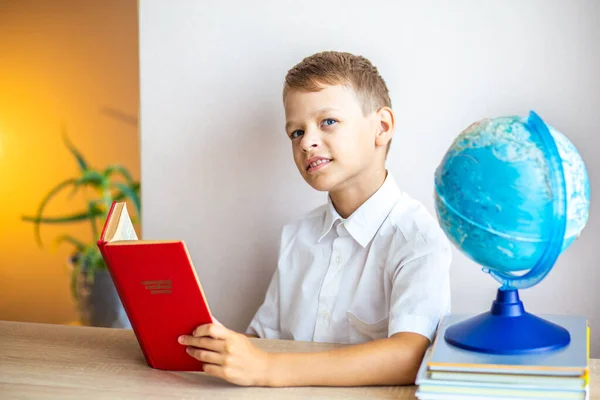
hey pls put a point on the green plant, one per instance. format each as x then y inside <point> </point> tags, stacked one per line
<point>86,256</point>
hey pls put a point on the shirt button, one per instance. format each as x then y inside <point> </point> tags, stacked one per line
<point>338,259</point>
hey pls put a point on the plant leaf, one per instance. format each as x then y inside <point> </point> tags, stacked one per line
<point>99,260</point>
<point>76,153</point>
<point>91,207</point>
<point>43,204</point>
<point>81,216</point>
<point>74,276</point>
<point>131,193</point>
<point>68,238</point>
<point>91,177</point>
<point>115,168</point>
<point>87,265</point>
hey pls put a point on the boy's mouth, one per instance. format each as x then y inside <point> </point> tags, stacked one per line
<point>316,163</point>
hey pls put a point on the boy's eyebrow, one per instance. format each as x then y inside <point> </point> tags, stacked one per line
<point>326,109</point>
<point>320,111</point>
<point>287,125</point>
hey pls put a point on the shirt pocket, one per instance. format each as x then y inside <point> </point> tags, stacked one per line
<point>361,331</point>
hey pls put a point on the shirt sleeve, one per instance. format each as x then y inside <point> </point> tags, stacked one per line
<point>265,323</point>
<point>420,294</point>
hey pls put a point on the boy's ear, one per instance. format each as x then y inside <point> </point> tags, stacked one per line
<point>386,126</point>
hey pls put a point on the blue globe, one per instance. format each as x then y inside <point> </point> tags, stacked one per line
<point>512,193</point>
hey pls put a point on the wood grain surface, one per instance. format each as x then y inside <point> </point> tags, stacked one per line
<point>43,361</point>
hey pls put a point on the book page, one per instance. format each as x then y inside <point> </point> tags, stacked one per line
<point>125,229</point>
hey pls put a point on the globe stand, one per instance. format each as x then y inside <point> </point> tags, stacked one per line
<point>507,329</point>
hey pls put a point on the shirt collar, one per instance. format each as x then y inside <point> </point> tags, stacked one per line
<point>366,220</point>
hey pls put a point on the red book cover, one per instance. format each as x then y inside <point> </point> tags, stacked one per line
<point>160,291</point>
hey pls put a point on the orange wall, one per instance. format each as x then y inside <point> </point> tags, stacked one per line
<point>61,61</point>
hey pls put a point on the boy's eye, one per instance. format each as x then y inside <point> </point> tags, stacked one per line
<point>328,121</point>
<point>297,133</point>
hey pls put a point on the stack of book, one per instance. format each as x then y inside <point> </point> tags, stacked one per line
<point>450,373</point>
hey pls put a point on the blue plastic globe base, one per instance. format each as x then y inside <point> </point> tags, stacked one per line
<point>507,329</point>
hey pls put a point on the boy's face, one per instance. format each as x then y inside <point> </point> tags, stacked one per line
<point>333,142</point>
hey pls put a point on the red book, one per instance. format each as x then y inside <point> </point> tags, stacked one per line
<point>159,289</point>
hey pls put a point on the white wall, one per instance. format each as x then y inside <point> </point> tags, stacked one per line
<point>217,169</point>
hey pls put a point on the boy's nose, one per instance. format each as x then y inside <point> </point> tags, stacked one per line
<point>310,141</point>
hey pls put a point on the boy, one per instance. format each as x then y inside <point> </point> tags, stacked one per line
<point>370,268</point>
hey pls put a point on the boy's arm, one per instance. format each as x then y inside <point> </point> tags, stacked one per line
<point>391,361</point>
<point>232,356</point>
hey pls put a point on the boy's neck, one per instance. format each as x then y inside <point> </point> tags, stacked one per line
<point>350,198</point>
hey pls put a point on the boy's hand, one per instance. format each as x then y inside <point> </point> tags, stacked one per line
<point>228,355</point>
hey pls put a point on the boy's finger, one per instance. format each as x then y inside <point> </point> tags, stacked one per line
<point>213,330</point>
<point>203,343</point>
<point>206,356</point>
<point>214,370</point>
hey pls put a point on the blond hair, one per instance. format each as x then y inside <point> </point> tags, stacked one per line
<point>340,68</point>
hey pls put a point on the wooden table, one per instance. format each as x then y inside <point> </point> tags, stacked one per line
<point>41,361</point>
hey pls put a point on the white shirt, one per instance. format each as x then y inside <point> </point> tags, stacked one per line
<point>383,270</point>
